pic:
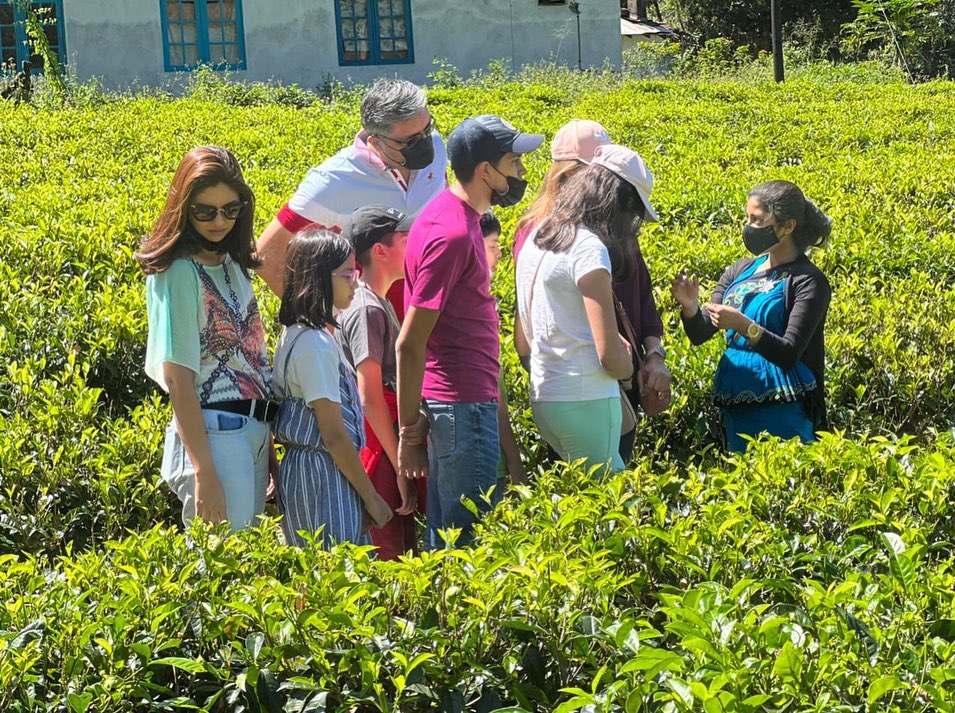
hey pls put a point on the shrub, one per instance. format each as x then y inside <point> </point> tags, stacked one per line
<point>816,575</point>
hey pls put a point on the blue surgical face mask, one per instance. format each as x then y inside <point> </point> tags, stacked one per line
<point>759,239</point>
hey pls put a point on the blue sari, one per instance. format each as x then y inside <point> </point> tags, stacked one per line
<point>755,395</point>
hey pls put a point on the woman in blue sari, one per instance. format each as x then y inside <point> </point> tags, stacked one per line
<point>772,308</point>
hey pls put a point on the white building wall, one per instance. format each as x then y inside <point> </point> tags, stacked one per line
<point>295,41</point>
<point>118,41</point>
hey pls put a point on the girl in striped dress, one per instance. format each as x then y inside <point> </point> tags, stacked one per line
<point>322,486</point>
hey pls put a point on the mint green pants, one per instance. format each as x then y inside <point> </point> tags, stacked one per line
<point>582,429</point>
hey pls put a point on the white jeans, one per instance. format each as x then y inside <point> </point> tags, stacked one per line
<point>239,446</point>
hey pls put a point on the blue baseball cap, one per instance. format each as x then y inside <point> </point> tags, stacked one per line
<point>487,138</point>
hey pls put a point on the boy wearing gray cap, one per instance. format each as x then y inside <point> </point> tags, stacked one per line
<point>449,345</point>
<point>367,333</point>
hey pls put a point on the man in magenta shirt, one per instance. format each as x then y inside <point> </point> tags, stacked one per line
<point>449,347</point>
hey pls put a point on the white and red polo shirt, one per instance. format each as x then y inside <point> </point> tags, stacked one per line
<point>356,177</point>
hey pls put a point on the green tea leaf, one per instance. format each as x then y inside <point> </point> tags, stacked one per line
<point>883,685</point>
<point>190,665</point>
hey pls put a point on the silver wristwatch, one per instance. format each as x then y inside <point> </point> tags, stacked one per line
<point>657,350</point>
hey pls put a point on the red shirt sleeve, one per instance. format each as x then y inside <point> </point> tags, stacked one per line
<point>519,239</point>
<point>293,222</point>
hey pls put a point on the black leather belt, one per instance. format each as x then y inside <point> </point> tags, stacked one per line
<point>258,409</point>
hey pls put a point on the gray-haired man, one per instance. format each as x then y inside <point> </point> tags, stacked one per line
<point>398,160</point>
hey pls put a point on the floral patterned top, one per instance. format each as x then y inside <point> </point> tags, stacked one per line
<point>206,318</point>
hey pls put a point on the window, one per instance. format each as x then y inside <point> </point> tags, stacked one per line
<point>374,31</point>
<point>14,42</point>
<point>202,32</point>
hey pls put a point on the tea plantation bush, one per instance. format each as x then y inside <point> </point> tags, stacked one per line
<point>791,578</point>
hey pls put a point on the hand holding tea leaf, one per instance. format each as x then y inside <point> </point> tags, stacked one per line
<point>725,317</point>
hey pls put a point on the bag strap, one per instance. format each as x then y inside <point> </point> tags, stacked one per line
<point>288,355</point>
<point>530,298</point>
<point>628,330</point>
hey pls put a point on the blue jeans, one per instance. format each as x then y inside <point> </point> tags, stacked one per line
<point>463,450</point>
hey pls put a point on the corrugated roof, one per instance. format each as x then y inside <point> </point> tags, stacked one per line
<point>633,28</point>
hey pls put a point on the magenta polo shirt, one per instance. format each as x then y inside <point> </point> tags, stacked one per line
<point>446,269</point>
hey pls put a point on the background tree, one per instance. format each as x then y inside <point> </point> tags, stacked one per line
<point>918,35</point>
<point>746,22</point>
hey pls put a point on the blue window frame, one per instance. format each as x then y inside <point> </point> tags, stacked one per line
<point>14,43</point>
<point>198,32</point>
<point>374,32</point>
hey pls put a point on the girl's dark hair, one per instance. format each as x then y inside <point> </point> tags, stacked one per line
<point>309,297</point>
<point>490,225</point>
<point>784,200</point>
<point>173,236</point>
<point>597,199</point>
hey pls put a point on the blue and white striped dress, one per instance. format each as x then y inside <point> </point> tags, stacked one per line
<point>312,493</point>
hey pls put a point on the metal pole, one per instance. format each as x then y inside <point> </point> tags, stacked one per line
<point>574,7</point>
<point>776,19</point>
<point>580,66</point>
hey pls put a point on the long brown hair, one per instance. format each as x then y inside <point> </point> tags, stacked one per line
<point>607,205</point>
<point>546,199</point>
<point>173,236</point>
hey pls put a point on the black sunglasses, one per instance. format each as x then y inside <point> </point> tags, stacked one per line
<point>206,213</point>
<point>416,139</point>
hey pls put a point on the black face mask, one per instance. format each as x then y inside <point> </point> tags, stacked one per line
<point>418,156</point>
<point>220,247</point>
<point>513,194</point>
<point>759,240</point>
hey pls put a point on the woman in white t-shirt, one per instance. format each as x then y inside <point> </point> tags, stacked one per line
<point>566,325</point>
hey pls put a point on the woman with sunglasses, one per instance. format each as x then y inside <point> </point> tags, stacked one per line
<point>206,344</point>
<point>322,486</point>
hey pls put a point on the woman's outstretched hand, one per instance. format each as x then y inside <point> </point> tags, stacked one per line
<point>686,292</point>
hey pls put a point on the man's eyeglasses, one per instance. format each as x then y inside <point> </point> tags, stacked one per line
<point>207,213</point>
<point>350,275</point>
<point>414,140</point>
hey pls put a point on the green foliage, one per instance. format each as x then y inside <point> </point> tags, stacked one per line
<point>444,74</point>
<point>817,575</point>
<point>747,22</point>
<point>811,578</point>
<point>652,60</point>
<point>211,85</point>
<point>36,19</point>
<point>915,34</point>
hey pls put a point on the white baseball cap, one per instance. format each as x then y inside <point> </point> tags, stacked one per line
<point>628,165</point>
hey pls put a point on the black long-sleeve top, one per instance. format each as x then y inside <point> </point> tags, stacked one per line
<point>807,294</point>
<point>636,296</point>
